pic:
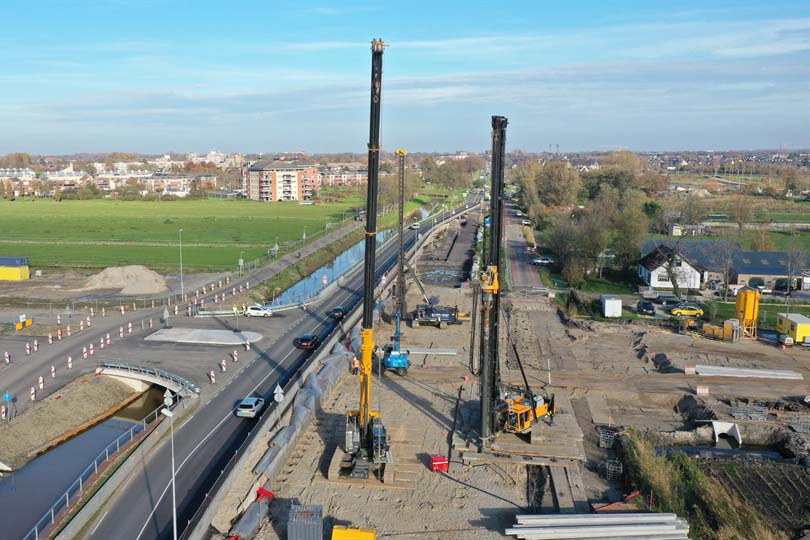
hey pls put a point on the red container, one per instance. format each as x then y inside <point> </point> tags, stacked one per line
<point>439,462</point>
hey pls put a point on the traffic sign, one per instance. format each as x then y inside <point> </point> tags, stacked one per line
<point>7,396</point>
<point>168,398</point>
<point>278,394</point>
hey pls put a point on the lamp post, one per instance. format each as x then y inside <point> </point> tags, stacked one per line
<point>241,261</point>
<point>170,415</point>
<point>182,288</point>
<point>305,232</point>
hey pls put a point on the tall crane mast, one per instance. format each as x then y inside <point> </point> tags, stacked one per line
<point>366,438</point>
<point>490,286</point>
<point>401,153</point>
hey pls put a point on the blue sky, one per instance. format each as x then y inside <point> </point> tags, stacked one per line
<point>244,75</point>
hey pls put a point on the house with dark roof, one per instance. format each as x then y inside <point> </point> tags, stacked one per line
<point>653,270</point>
<point>707,256</point>
<point>768,266</point>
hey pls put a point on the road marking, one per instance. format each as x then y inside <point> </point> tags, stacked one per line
<point>99,523</point>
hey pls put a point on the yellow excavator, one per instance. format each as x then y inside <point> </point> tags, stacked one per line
<point>514,412</point>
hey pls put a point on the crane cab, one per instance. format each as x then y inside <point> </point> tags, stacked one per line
<point>397,361</point>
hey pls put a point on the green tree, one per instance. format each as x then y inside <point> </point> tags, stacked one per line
<point>89,191</point>
<point>558,184</point>
<point>630,227</point>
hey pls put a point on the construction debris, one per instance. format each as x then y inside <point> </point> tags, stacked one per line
<point>586,526</point>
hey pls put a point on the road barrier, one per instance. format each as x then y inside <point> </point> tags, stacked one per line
<point>188,388</point>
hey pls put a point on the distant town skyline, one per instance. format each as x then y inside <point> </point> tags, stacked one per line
<point>153,76</point>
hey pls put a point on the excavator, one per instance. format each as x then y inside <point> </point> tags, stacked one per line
<point>366,439</point>
<point>505,408</point>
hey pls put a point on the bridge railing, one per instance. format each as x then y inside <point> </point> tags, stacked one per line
<point>88,476</point>
<point>153,372</point>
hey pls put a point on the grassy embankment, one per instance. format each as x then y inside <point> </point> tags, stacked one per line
<point>296,272</point>
<point>101,233</point>
<point>678,485</point>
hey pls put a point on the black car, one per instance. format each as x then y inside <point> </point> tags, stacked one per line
<point>667,300</point>
<point>645,307</point>
<point>308,342</point>
<point>337,313</point>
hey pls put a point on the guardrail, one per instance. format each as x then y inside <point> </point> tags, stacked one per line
<point>153,372</point>
<point>75,491</point>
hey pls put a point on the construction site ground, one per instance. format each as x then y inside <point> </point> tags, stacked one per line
<point>603,374</point>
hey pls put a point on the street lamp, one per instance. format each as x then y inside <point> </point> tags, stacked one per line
<point>182,288</point>
<point>241,261</point>
<point>305,232</point>
<point>170,415</point>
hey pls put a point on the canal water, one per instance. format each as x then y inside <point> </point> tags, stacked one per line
<point>314,283</point>
<point>28,493</point>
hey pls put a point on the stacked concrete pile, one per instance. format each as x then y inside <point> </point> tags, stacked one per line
<point>308,400</point>
<point>604,526</point>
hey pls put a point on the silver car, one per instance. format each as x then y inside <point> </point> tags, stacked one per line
<point>258,311</point>
<point>250,407</point>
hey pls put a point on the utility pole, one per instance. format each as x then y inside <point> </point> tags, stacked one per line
<point>182,288</point>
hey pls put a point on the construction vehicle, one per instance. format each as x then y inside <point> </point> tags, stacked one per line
<point>503,408</point>
<point>394,358</point>
<point>342,532</point>
<point>366,439</point>
<point>434,315</point>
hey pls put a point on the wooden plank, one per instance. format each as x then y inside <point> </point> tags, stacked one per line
<point>577,489</point>
<point>562,491</point>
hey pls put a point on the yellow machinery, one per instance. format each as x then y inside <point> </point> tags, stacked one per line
<point>747,311</point>
<point>14,269</point>
<point>730,330</point>
<point>340,532</point>
<point>515,414</point>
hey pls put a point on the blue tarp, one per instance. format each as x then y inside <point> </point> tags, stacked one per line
<point>13,261</point>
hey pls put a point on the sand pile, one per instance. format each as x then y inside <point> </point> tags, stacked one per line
<point>132,280</point>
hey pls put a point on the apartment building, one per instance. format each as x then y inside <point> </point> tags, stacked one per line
<point>271,180</point>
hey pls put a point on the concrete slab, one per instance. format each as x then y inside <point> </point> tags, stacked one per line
<point>203,336</point>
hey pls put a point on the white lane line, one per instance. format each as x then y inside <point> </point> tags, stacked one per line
<point>210,433</point>
<point>99,523</point>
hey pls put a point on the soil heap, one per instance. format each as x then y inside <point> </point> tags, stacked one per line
<point>132,280</point>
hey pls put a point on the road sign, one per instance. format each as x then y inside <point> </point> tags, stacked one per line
<point>7,396</point>
<point>168,398</point>
<point>166,314</point>
<point>278,394</point>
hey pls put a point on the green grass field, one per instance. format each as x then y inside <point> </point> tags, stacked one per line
<point>101,233</point>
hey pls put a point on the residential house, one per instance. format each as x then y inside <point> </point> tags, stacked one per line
<point>768,266</point>
<point>652,270</point>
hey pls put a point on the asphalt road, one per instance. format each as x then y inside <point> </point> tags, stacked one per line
<point>205,442</point>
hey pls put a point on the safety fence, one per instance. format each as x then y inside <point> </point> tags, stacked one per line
<point>89,475</point>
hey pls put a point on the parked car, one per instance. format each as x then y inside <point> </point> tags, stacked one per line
<point>414,225</point>
<point>526,222</point>
<point>542,261</point>
<point>258,311</point>
<point>249,407</point>
<point>645,307</point>
<point>308,342</point>
<point>667,300</point>
<point>337,313</point>
<point>518,213</point>
<point>687,309</point>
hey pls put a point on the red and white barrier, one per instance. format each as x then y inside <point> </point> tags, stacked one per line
<point>53,372</point>
<point>233,291</point>
<point>129,328</point>
<point>150,322</point>
<point>89,324</point>
<point>33,393</point>
<point>175,310</point>
<point>204,291</point>
<point>227,279</point>
<point>219,283</point>
<point>108,338</point>
<point>59,334</point>
<point>247,285</point>
<point>6,358</point>
<point>223,365</point>
<point>58,320</point>
<point>103,312</point>
<point>2,412</point>
<point>101,343</point>
<point>235,355</point>
<point>41,383</point>
<point>84,353</point>
<point>81,326</point>
<point>70,362</point>
<point>189,310</point>
<point>120,331</point>
<point>91,350</point>
<point>68,330</point>
<point>247,345</point>
<point>202,303</point>
<point>27,349</point>
<point>50,338</point>
<point>241,288</point>
<point>212,376</point>
<point>36,345</point>
<point>92,313</point>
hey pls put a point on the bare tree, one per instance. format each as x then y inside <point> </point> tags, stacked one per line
<point>740,212</point>
<point>795,261</point>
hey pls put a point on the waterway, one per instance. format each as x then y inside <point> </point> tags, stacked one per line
<point>323,276</point>
<point>28,493</point>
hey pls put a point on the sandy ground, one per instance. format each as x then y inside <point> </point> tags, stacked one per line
<point>75,404</point>
<point>418,410</point>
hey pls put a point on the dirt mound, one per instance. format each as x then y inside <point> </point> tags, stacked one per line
<point>133,280</point>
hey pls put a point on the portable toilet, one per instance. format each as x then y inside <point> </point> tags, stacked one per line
<point>611,305</point>
<point>14,269</point>
<point>795,326</point>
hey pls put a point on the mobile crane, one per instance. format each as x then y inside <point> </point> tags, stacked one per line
<point>394,358</point>
<point>366,440</point>
<point>503,408</point>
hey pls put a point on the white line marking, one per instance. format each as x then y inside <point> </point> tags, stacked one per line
<point>99,523</point>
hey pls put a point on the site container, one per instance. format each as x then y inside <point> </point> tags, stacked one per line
<point>14,268</point>
<point>611,305</point>
<point>794,325</point>
<point>305,522</point>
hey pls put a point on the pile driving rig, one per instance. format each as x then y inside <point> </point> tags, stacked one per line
<point>503,408</point>
<point>394,358</point>
<point>366,442</point>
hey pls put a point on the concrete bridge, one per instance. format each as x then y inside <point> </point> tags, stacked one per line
<point>147,376</point>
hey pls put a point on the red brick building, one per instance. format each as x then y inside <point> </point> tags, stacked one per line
<point>268,180</point>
